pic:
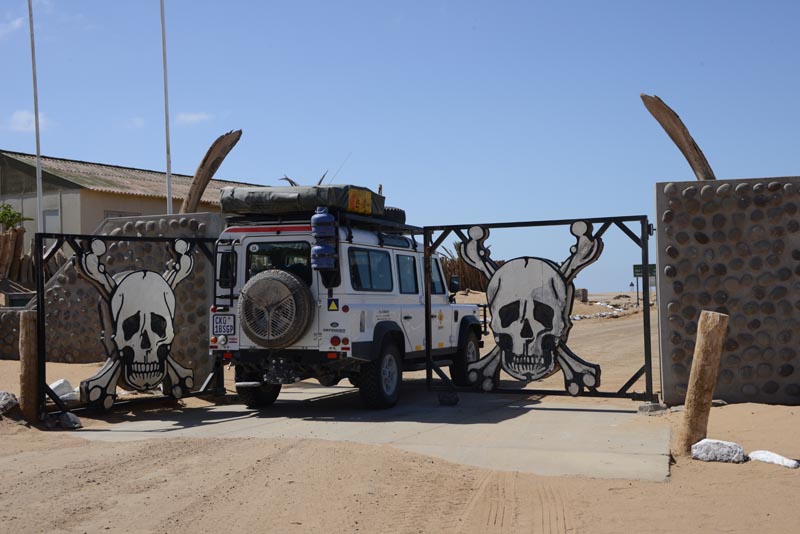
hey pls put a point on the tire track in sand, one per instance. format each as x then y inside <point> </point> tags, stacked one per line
<point>506,502</point>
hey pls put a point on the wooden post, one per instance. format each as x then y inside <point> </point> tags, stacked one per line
<point>29,366</point>
<point>711,331</point>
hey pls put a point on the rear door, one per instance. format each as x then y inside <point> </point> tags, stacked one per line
<point>286,253</point>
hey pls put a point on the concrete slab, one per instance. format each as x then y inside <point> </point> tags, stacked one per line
<point>549,436</point>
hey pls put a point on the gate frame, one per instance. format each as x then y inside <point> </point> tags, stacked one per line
<point>641,240</point>
<point>213,383</point>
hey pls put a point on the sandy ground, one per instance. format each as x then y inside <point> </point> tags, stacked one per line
<point>55,482</point>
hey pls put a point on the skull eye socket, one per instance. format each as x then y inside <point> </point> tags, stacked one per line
<point>158,324</point>
<point>131,325</point>
<point>543,314</point>
<point>509,313</point>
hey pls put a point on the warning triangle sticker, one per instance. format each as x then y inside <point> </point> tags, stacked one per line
<point>333,304</point>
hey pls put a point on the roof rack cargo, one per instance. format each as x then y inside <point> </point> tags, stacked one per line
<point>284,200</point>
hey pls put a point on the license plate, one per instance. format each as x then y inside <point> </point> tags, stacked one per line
<point>224,325</point>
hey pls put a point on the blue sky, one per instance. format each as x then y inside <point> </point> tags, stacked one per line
<point>464,111</point>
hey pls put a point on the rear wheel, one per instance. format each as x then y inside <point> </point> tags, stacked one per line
<point>255,396</point>
<point>379,381</point>
<point>469,353</point>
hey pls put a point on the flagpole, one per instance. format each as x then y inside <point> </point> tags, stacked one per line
<point>39,218</point>
<point>166,108</point>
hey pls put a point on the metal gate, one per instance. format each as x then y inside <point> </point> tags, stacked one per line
<point>137,309</point>
<point>585,251</point>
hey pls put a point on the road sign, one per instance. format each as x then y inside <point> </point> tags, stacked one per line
<point>637,270</point>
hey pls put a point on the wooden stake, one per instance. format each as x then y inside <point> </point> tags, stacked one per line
<point>29,367</point>
<point>711,331</point>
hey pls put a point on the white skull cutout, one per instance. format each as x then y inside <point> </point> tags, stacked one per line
<point>143,311</point>
<point>528,300</point>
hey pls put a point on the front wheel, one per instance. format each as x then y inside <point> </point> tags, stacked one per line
<point>469,353</point>
<point>255,396</point>
<point>379,381</point>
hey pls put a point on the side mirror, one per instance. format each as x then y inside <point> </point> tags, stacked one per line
<point>455,283</point>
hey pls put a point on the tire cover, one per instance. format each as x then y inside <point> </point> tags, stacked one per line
<point>275,308</point>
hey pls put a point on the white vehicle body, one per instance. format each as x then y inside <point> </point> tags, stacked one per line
<point>373,302</point>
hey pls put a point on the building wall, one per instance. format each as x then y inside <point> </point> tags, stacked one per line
<point>731,246</point>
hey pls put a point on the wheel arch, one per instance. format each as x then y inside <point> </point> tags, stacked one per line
<point>385,331</point>
<point>468,323</point>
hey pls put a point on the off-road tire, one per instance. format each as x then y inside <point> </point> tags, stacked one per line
<point>380,380</point>
<point>258,397</point>
<point>469,353</point>
<point>395,215</point>
<point>275,308</point>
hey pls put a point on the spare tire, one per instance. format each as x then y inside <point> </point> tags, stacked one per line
<point>395,215</point>
<point>275,308</point>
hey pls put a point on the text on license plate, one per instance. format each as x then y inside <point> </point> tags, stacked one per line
<point>224,325</point>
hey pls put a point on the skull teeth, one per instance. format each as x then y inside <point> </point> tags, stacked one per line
<point>527,364</point>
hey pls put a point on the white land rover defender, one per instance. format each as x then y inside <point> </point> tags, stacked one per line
<point>329,292</point>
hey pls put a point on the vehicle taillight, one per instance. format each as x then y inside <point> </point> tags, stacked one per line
<point>335,341</point>
<point>213,340</point>
<point>346,341</point>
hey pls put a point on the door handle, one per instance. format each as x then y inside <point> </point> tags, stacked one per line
<point>407,317</point>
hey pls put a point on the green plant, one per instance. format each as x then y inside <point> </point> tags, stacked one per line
<point>9,217</point>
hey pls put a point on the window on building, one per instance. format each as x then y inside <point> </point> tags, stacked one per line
<point>115,214</point>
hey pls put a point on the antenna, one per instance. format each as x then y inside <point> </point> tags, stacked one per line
<point>340,166</point>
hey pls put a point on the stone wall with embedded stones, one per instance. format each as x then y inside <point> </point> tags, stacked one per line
<point>73,327</point>
<point>731,246</point>
<point>9,333</point>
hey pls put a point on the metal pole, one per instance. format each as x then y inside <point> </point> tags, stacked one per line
<point>427,243</point>
<point>637,292</point>
<point>648,357</point>
<point>166,108</point>
<point>39,216</point>
<point>41,340</point>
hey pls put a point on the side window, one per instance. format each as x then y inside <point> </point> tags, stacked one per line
<point>437,285</point>
<point>227,269</point>
<point>407,274</point>
<point>370,270</point>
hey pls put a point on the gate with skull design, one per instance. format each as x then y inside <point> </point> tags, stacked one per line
<point>530,300</point>
<point>136,311</point>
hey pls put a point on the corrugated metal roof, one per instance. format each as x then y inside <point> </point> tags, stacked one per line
<point>122,180</point>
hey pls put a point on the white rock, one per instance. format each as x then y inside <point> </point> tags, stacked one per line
<point>772,458</point>
<point>7,402</point>
<point>714,450</point>
<point>61,387</point>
